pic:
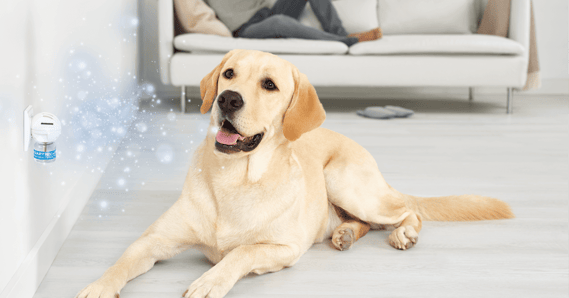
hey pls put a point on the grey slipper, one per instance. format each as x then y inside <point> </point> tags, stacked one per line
<point>399,111</point>
<point>377,112</point>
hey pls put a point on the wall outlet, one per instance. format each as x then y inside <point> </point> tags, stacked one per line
<point>28,114</point>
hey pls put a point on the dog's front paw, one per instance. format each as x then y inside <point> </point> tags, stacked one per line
<point>343,238</point>
<point>99,289</point>
<point>403,237</point>
<point>209,285</point>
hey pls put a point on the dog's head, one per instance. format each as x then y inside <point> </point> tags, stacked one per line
<point>257,97</point>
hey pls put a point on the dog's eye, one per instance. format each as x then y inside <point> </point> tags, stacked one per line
<point>269,85</point>
<point>228,74</point>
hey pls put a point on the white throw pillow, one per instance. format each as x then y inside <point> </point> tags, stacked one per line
<point>356,15</point>
<point>427,16</point>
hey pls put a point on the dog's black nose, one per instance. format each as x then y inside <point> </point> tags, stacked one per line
<point>229,101</point>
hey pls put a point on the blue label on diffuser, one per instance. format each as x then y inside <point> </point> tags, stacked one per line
<point>41,155</point>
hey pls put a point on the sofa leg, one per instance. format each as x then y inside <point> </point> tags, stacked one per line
<point>470,94</point>
<point>510,106</point>
<point>183,100</point>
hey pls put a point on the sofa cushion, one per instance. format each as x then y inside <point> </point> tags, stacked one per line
<point>377,70</point>
<point>220,44</point>
<point>357,16</point>
<point>428,16</point>
<point>439,44</point>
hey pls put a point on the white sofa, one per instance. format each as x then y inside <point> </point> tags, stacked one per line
<point>449,60</point>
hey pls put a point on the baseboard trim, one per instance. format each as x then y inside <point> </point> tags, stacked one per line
<point>33,269</point>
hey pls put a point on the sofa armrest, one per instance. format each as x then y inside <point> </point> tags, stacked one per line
<point>165,37</point>
<point>520,17</point>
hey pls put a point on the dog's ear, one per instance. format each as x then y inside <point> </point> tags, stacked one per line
<point>305,111</point>
<point>208,85</point>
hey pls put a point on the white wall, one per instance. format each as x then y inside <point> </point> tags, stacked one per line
<point>76,59</point>
<point>552,34</point>
<point>552,37</point>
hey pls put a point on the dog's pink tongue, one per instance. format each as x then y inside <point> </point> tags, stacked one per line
<point>227,138</point>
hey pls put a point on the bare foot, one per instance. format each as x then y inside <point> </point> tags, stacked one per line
<point>372,34</point>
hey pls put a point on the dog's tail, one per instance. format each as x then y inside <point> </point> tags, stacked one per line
<point>459,208</point>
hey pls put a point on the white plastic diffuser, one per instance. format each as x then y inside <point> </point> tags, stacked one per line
<point>44,128</point>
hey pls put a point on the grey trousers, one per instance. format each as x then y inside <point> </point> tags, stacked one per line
<point>281,21</point>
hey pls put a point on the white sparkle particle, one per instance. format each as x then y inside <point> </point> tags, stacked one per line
<point>165,153</point>
<point>141,127</point>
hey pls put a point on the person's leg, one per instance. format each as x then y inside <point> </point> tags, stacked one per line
<point>259,16</point>
<point>291,8</point>
<point>278,26</point>
<point>328,17</point>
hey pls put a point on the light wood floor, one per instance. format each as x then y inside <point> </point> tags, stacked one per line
<point>450,146</point>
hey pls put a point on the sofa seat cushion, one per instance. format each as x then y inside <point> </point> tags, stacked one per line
<point>438,44</point>
<point>219,44</point>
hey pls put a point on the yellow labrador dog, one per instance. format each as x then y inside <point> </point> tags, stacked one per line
<point>267,183</point>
